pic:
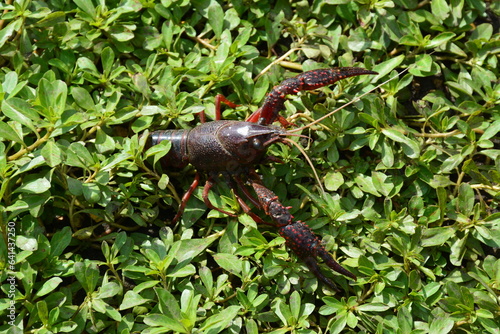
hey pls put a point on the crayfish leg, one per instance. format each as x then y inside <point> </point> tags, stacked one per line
<point>256,117</point>
<point>245,191</point>
<point>186,197</point>
<point>208,185</point>
<point>219,98</point>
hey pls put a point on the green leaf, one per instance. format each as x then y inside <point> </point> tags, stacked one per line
<point>295,305</point>
<point>339,323</point>
<point>483,313</point>
<point>411,40</point>
<point>132,299</point>
<point>229,262</point>
<point>3,165</point>
<point>121,33</point>
<point>172,316</point>
<point>16,208</point>
<point>451,163</point>
<point>87,7</point>
<point>440,181</point>
<point>405,320</point>
<point>10,82</point>
<point>20,111</point>
<point>218,322</point>
<point>48,286</point>
<point>491,131</point>
<point>79,156</point>
<point>458,249</point>
<point>466,199</point>
<point>442,38</point>
<point>440,9</point>
<point>92,192</point>
<point>10,30</point>
<point>441,323</point>
<point>87,273</point>
<point>161,149</point>
<point>436,236</point>
<point>114,161</point>
<point>52,97</point>
<point>260,89</point>
<point>190,248</point>
<point>27,243</point>
<point>182,270</point>
<point>164,322</point>
<point>35,186</point>
<point>54,315</point>
<point>88,66</point>
<point>373,307</point>
<point>51,19</point>
<point>387,154</point>
<point>83,98</point>
<point>60,240</point>
<point>52,153</point>
<point>141,84</point>
<point>111,312</point>
<point>7,132</point>
<point>103,142</point>
<point>333,181</point>
<point>365,183</point>
<point>395,135</point>
<point>107,59</point>
<point>382,183</point>
<point>387,66</point>
<point>74,186</point>
<point>410,148</point>
<point>43,311</point>
<point>36,203</point>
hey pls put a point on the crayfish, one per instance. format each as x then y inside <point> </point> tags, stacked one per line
<point>233,149</point>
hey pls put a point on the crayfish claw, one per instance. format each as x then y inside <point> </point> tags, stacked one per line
<point>302,240</point>
<point>275,100</point>
<point>313,266</point>
<point>330,262</point>
<point>298,236</point>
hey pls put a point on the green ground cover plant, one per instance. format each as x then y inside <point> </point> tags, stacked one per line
<point>411,170</point>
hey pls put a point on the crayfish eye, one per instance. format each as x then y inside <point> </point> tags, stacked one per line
<point>257,144</point>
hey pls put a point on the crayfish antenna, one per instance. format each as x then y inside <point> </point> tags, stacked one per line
<point>288,140</point>
<point>292,132</point>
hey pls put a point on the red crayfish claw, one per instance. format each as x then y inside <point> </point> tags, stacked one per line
<point>275,100</point>
<point>298,236</point>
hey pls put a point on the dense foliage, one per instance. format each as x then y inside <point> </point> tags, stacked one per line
<point>411,171</point>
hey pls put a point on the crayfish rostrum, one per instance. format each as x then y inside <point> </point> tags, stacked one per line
<point>233,149</point>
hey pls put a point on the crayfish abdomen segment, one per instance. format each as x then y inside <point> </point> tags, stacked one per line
<point>177,157</point>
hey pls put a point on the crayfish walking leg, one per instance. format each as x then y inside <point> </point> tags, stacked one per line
<point>299,237</point>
